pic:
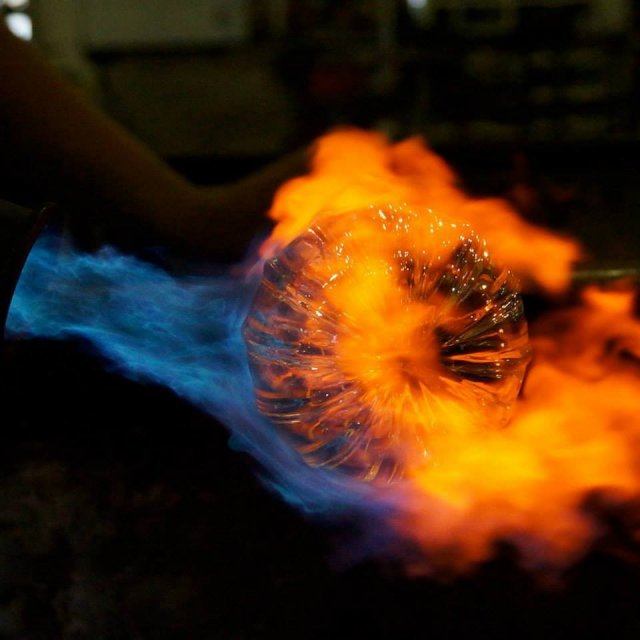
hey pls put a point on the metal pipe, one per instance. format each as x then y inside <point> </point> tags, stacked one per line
<point>19,228</point>
<point>602,273</point>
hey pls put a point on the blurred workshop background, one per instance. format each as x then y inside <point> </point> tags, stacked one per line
<point>251,78</point>
<point>533,100</point>
<point>124,514</point>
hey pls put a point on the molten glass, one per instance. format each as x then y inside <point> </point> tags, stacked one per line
<point>374,330</point>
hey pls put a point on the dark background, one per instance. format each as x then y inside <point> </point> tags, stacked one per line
<point>534,100</point>
<point>123,512</point>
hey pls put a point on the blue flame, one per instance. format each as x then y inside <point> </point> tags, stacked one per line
<point>183,332</point>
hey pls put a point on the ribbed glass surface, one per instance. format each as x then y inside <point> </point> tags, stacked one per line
<point>374,330</point>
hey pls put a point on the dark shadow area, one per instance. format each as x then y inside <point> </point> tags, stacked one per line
<point>125,515</point>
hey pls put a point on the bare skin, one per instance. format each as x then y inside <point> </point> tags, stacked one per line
<point>56,146</point>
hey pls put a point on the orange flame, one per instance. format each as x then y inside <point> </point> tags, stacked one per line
<point>353,169</point>
<point>576,425</point>
<point>576,430</point>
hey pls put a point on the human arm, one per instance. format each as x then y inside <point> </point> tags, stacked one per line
<point>56,146</point>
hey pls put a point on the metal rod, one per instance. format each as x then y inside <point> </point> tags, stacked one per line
<point>600,273</point>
